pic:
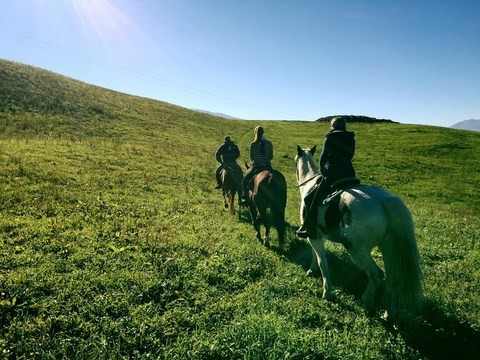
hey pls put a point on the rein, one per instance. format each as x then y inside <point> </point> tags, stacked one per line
<point>309,179</point>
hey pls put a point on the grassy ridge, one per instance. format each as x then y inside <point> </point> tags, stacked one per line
<point>114,244</point>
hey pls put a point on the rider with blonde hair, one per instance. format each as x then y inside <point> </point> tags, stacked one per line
<point>261,154</point>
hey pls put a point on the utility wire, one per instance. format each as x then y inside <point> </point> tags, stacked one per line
<point>49,46</point>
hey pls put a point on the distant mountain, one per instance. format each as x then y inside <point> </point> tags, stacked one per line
<point>471,124</point>
<point>215,114</point>
<point>355,118</point>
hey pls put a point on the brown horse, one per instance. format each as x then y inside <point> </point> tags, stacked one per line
<point>268,199</point>
<point>231,177</point>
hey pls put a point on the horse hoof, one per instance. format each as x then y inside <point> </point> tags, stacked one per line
<point>326,295</point>
<point>226,205</point>
<point>267,244</point>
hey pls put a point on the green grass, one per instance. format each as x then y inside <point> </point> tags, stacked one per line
<point>113,243</point>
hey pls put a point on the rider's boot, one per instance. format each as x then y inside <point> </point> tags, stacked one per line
<point>219,182</point>
<point>307,229</point>
<point>303,231</point>
<point>244,200</point>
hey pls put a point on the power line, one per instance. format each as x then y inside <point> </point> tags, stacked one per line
<point>49,46</point>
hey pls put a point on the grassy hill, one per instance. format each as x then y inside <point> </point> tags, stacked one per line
<point>113,243</point>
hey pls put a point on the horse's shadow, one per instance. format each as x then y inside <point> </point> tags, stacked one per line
<point>437,336</point>
<point>442,336</point>
<point>344,273</point>
<point>243,214</point>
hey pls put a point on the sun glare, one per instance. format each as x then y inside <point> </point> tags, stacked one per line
<point>106,22</point>
<point>103,17</point>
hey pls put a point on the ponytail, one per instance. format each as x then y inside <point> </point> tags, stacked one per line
<point>258,132</point>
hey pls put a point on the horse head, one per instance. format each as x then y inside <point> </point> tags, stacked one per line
<point>301,151</point>
<point>305,163</point>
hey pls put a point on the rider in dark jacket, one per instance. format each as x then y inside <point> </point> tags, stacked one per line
<point>337,155</point>
<point>335,165</point>
<point>226,153</point>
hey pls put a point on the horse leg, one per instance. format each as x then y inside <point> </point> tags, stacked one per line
<point>239,204</point>
<point>318,246</point>
<point>225,202</point>
<point>231,201</point>
<point>256,225</point>
<point>266,240</point>
<point>365,261</point>
<point>255,221</point>
<point>278,219</point>
<point>313,270</point>
<point>280,226</point>
<point>263,218</point>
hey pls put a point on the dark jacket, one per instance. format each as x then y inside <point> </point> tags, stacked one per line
<point>337,155</point>
<point>227,152</point>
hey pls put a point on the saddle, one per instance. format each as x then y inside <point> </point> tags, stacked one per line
<point>345,183</point>
<point>331,213</point>
<point>257,170</point>
<point>232,166</point>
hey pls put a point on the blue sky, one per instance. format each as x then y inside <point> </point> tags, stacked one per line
<point>409,61</point>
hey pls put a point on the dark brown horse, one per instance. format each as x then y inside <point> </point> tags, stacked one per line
<point>268,199</point>
<point>231,177</point>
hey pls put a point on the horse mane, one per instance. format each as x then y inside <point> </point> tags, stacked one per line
<point>309,166</point>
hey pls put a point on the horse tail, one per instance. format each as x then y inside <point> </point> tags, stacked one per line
<point>231,183</point>
<point>278,185</point>
<point>404,282</point>
<point>237,178</point>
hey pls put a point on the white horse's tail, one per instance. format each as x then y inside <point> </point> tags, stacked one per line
<point>404,282</point>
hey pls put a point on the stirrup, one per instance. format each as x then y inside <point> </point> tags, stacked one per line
<point>302,232</point>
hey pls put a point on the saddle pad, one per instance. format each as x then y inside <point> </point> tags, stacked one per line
<point>331,197</point>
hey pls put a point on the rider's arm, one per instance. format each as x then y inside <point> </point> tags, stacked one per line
<point>324,156</point>
<point>218,154</point>
<point>270,156</point>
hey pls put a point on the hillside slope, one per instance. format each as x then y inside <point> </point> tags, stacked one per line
<point>36,101</point>
<point>114,244</point>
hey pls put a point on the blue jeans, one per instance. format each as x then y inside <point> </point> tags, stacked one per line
<point>217,173</point>
<point>254,170</point>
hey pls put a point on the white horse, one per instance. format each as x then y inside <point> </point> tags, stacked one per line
<point>368,216</point>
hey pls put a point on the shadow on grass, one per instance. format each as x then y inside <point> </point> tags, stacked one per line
<point>437,336</point>
<point>441,336</point>
<point>243,214</point>
<point>343,272</point>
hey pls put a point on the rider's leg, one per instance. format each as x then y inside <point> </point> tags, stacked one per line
<point>312,201</point>
<point>246,179</point>
<point>217,176</point>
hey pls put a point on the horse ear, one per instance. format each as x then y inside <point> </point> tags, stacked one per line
<point>312,150</point>
<point>299,150</point>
